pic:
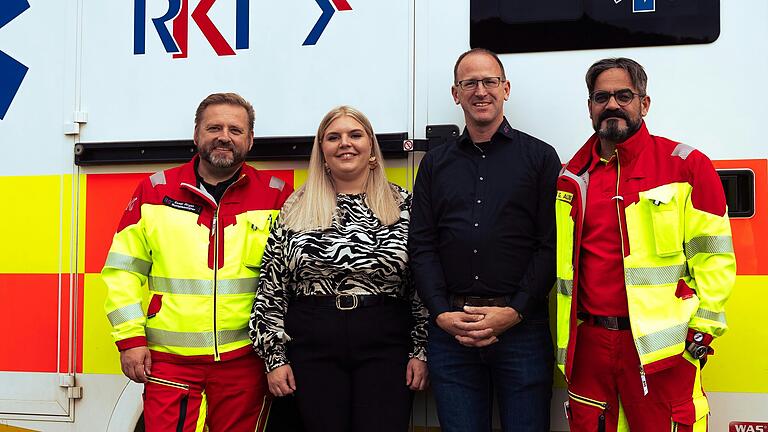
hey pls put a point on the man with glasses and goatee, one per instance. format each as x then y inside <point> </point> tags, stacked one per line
<point>482,245</point>
<point>645,265</point>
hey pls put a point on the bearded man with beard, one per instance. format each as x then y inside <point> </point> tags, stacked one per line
<point>645,265</point>
<point>190,241</point>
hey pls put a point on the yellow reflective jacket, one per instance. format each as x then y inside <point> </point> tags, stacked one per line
<point>679,266</point>
<point>182,271</point>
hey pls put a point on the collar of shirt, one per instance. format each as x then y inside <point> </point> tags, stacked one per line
<point>596,159</point>
<point>217,190</point>
<point>504,130</point>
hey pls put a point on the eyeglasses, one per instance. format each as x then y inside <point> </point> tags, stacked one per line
<point>489,82</point>
<point>623,97</point>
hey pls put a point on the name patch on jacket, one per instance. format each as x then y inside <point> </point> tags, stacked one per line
<point>565,196</point>
<point>180,205</point>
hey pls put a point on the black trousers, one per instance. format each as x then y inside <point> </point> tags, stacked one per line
<point>350,366</point>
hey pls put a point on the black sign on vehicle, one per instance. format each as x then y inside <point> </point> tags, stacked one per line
<point>518,26</point>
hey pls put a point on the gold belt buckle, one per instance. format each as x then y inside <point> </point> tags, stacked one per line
<point>339,306</point>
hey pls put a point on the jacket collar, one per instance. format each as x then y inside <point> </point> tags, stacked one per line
<point>588,156</point>
<point>630,149</point>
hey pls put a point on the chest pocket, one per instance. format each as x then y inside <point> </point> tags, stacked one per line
<point>665,216</point>
<point>259,223</point>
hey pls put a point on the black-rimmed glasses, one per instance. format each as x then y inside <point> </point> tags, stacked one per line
<point>623,97</point>
<point>471,84</point>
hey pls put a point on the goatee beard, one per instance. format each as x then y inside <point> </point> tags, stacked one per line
<point>612,131</point>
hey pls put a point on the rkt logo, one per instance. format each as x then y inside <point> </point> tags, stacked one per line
<point>175,41</point>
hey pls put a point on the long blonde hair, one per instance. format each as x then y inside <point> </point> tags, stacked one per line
<point>313,205</point>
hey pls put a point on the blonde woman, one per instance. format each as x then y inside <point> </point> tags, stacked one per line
<point>336,318</point>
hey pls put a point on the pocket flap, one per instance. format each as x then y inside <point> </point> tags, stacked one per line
<point>662,194</point>
<point>260,219</point>
<point>690,411</point>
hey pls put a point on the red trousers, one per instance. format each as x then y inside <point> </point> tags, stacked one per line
<point>606,390</point>
<point>235,393</point>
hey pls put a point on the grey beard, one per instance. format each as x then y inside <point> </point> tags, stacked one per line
<point>613,133</point>
<point>222,161</point>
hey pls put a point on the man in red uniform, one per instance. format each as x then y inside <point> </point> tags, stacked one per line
<point>191,240</point>
<point>645,266</point>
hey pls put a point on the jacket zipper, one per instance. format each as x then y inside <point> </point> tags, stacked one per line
<point>215,231</point>
<point>619,198</point>
<point>168,383</point>
<point>594,403</point>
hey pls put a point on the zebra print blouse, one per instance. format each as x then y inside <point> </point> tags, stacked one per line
<point>356,255</point>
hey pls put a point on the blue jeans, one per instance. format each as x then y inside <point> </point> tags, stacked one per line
<point>518,369</point>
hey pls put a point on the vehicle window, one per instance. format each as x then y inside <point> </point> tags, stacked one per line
<point>518,26</point>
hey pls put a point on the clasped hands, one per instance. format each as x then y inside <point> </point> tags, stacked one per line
<point>478,326</point>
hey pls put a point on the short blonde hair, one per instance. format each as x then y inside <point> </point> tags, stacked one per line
<point>313,206</point>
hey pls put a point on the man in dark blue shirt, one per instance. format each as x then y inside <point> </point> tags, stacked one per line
<point>482,246</point>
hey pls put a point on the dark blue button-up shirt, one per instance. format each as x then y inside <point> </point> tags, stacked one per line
<point>483,221</point>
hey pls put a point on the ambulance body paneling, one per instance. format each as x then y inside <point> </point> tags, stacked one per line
<point>59,369</point>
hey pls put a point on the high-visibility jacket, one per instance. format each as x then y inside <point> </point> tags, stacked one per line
<point>182,271</point>
<point>679,266</point>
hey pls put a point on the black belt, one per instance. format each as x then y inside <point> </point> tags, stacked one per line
<point>347,301</point>
<point>609,322</point>
<point>459,301</point>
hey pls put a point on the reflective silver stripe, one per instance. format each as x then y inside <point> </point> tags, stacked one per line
<point>561,355</point>
<point>708,244</point>
<point>711,315</point>
<point>202,287</point>
<point>157,178</point>
<point>582,181</point>
<point>129,263</point>
<point>237,286</point>
<point>125,314</point>
<point>654,275</point>
<point>564,286</point>
<point>276,183</point>
<point>662,339</point>
<point>682,151</point>
<point>195,339</point>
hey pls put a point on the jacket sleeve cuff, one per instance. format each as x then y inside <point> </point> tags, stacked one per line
<point>129,343</point>
<point>698,337</point>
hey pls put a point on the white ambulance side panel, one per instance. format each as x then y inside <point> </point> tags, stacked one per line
<point>361,59</point>
<point>42,38</point>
